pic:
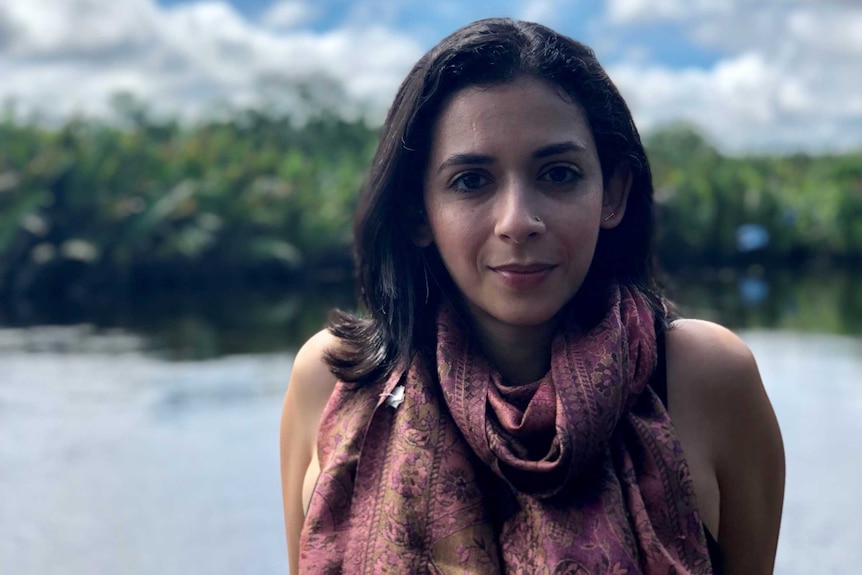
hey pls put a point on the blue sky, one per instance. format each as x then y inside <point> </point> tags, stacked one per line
<point>755,75</point>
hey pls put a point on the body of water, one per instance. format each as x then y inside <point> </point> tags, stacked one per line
<point>120,454</point>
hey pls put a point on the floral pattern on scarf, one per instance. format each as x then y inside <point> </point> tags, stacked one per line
<point>578,473</point>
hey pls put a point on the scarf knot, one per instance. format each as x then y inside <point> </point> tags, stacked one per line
<point>540,436</point>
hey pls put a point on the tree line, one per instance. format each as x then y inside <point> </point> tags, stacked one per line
<point>92,208</point>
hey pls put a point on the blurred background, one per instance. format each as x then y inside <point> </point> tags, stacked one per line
<point>177,181</point>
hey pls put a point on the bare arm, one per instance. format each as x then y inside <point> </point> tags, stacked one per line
<point>726,395</point>
<point>310,386</point>
<point>750,471</point>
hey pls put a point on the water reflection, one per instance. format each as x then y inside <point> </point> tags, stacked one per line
<point>821,301</point>
<point>204,326</point>
<point>183,326</point>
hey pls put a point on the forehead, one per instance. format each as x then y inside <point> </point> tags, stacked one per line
<point>526,112</point>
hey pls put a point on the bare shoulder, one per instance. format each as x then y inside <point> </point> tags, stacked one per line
<point>716,380</point>
<point>714,356</point>
<point>720,397</point>
<point>311,384</point>
<point>311,381</point>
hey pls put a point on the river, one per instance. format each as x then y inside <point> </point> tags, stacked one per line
<point>138,446</point>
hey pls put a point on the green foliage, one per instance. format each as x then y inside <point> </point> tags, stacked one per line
<point>91,205</point>
<point>809,207</point>
<point>255,192</point>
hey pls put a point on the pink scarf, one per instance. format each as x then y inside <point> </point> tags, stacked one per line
<point>577,473</point>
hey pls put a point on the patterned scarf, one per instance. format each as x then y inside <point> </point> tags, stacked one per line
<point>578,473</point>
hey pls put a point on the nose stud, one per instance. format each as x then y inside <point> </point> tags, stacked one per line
<point>537,219</point>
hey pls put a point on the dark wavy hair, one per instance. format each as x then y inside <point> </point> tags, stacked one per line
<point>399,300</point>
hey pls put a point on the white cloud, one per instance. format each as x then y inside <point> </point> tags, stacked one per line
<point>788,78</point>
<point>71,56</point>
<point>638,11</point>
<point>75,28</point>
<point>287,14</point>
<point>733,101</point>
<point>545,12</point>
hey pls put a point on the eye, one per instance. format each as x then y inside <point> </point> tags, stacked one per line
<point>469,182</point>
<point>560,175</point>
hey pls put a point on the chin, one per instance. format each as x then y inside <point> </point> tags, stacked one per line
<point>527,318</point>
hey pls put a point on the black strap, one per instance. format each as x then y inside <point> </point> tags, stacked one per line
<point>716,557</point>
<point>658,383</point>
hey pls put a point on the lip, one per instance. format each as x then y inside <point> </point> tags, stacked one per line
<point>523,276</point>
<point>527,268</point>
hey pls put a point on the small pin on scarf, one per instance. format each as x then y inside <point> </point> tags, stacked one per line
<point>395,398</point>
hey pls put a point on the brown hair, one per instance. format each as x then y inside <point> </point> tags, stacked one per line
<point>394,287</point>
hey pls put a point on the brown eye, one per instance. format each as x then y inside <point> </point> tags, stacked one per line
<point>469,182</point>
<point>560,175</point>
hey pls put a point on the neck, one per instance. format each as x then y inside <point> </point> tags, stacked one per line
<point>521,354</point>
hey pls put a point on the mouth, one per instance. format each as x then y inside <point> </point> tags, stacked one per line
<point>530,268</point>
<point>521,277</point>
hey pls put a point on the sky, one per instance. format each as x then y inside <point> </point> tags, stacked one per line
<point>774,76</point>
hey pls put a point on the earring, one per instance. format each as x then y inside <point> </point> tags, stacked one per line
<point>427,290</point>
<point>612,214</point>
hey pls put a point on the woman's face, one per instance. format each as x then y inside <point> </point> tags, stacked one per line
<point>514,199</point>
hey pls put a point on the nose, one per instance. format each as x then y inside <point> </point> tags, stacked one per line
<point>517,218</point>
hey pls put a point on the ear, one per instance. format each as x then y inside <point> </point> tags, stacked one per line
<point>420,230</point>
<point>616,196</point>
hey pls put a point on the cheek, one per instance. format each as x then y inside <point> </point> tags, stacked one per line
<point>452,237</point>
<point>577,237</point>
<point>457,235</point>
<point>587,238</point>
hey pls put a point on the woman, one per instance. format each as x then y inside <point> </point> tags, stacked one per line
<point>506,403</point>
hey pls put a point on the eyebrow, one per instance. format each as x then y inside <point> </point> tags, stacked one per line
<point>483,160</point>
<point>557,149</point>
<point>465,160</point>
